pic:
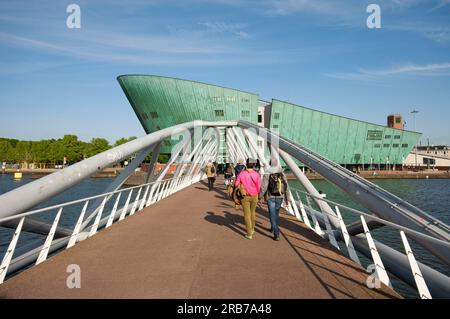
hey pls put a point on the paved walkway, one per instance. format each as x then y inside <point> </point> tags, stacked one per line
<point>192,245</point>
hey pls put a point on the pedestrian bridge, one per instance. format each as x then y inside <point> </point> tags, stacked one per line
<point>170,238</point>
<point>192,245</point>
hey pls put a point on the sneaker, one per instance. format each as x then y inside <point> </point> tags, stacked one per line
<point>253,232</point>
<point>276,237</point>
<point>248,237</point>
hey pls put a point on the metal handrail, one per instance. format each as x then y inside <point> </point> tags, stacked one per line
<point>378,219</point>
<point>81,200</point>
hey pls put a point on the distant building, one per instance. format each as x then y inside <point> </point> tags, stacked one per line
<point>436,157</point>
<point>395,121</point>
<point>438,150</point>
<point>161,102</point>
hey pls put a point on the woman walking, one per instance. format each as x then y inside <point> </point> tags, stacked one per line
<point>249,183</point>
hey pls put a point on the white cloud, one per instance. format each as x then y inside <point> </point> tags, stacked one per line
<point>441,4</point>
<point>440,34</point>
<point>437,69</point>
<point>223,27</point>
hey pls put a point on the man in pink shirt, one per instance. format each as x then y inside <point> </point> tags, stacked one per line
<point>251,182</point>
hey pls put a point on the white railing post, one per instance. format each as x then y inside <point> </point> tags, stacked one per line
<point>331,237</point>
<point>48,241</point>
<point>10,251</point>
<point>97,218</point>
<point>144,198</point>
<point>133,208</point>
<point>316,228</point>
<point>294,205</point>
<point>379,266</point>
<point>76,230</point>
<point>156,193</point>
<point>125,207</point>
<point>303,212</point>
<point>161,191</point>
<point>418,277</point>
<point>166,191</point>
<point>150,195</point>
<point>348,242</point>
<point>113,212</point>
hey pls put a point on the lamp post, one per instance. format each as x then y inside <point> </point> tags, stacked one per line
<point>414,112</point>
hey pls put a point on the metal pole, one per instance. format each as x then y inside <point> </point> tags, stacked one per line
<point>324,207</point>
<point>414,112</point>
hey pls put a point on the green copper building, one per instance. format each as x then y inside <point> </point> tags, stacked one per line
<point>161,102</point>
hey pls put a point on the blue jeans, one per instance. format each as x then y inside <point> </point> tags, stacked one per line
<point>274,211</point>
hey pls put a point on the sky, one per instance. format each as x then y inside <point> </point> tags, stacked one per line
<point>56,80</point>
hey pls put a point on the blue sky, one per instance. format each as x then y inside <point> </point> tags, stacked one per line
<point>320,54</point>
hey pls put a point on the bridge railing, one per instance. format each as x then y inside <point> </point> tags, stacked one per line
<point>319,222</point>
<point>127,202</point>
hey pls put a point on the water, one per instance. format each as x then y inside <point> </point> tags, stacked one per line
<point>69,216</point>
<point>430,195</point>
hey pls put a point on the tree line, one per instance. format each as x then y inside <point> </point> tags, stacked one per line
<point>54,151</point>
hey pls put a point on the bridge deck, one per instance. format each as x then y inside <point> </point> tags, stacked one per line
<point>192,245</point>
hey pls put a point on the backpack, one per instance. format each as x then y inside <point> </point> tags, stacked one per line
<point>277,186</point>
<point>212,169</point>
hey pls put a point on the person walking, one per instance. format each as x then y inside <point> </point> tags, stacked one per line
<point>228,174</point>
<point>210,171</point>
<point>249,183</point>
<point>274,190</point>
<point>239,167</point>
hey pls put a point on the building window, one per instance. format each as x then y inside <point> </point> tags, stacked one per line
<point>405,145</point>
<point>245,100</point>
<point>275,126</point>
<point>259,118</point>
<point>395,145</point>
<point>245,113</point>
<point>158,128</point>
<point>377,145</point>
<point>145,116</point>
<point>231,99</point>
<point>167,143</point>
<point>276,116</point>
<point>396,137</point>
<point>219,112</point>
<point>216,98</point>
<point>374,135</point>
<point>260,144</point>
<point>154,115</point>
<point>386,145</point>
<point>387,136</point>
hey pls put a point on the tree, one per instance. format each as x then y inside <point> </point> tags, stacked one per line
<point>4,150</point>
<point>124,140</point>
<point>71,148</point>
<point>23,150</point>
<point>96,146</point>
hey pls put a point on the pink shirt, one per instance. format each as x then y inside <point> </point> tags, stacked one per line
<point>251,181</point>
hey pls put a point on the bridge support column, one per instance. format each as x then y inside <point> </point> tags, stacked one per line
<point>324,207</point>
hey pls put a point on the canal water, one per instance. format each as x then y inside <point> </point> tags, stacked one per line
<point>433,196</point>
